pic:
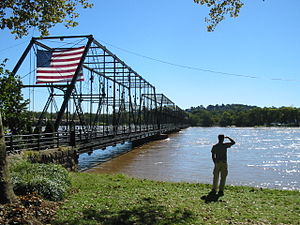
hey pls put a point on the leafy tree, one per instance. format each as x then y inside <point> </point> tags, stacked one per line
<point>243,116</point>
<point>6,194</point>
<point>200,117</point>
<point>19,16</point>
<point>205,118</point>
<point>193,120</point>
<point>219,9</point>
<point>242,119</point>
<point>226,119</point>
<point>289,115</point>
<point>12,104</point>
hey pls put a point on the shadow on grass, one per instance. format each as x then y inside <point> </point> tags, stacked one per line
<point>148,213</point>
<point>211,197</point>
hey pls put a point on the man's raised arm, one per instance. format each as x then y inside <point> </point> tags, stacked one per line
<point>232,142</point>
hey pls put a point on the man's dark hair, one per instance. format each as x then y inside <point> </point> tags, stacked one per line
<point>221,137</point>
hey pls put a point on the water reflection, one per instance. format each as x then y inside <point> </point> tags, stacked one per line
<point>263,157</point>
<point>88,160</point>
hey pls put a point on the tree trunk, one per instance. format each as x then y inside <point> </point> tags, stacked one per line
<point>6,189</point>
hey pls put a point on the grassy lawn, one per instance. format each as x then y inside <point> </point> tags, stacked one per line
<point>118,199</point>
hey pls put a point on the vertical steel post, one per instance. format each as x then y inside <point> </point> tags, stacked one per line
<point>91,100</point>
<point>107,107</point>
<point>72,84</point>
<point>135,105</point>
<point>114,101</point>
<point>103,83</point>
<point>130,101</point>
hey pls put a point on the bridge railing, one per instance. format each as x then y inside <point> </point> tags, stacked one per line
<point>36,142</point>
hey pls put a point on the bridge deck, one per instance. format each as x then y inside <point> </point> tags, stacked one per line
<point>84,142</point>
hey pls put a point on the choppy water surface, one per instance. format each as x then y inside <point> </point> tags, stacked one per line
<point>262,157</point>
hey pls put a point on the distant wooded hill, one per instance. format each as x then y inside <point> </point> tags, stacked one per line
<point>243,116</point>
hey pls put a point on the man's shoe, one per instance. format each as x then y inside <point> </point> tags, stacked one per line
<point>212,192</point>
<point>221,193</point>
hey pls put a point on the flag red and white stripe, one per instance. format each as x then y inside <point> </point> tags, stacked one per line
<point>61,67</point>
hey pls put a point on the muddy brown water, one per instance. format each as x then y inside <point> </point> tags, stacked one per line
<point>262,157</point>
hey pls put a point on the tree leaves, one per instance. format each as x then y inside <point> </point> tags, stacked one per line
<point>19,16</point>
<point>219,9</point>
<point>243,116</point>
<point>12,104</point>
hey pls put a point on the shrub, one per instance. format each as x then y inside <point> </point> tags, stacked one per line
<point>49,180</point>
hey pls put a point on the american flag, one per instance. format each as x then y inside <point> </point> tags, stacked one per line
<point>58,65</point>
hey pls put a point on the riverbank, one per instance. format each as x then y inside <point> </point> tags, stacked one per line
<point>119,199</point>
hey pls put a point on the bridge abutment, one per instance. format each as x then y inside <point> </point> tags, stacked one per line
<point>65,156</point>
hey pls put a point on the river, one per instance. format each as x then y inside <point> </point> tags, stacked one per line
<point>261,157</point>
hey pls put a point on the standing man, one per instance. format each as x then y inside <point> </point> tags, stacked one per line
<point>219,156</point>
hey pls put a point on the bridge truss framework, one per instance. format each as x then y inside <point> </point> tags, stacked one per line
<point>114,100</point>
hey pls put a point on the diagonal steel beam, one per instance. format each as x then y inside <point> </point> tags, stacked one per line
<point>25,53</point>
<point>72,84</point>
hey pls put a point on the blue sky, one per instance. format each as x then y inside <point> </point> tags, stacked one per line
<point>263,42</point>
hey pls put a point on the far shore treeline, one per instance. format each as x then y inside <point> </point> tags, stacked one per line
<point>243,116</point>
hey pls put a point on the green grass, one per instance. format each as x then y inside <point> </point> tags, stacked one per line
<point>118,199</point>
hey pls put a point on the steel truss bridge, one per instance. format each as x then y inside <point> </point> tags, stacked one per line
<point>113,104</point>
